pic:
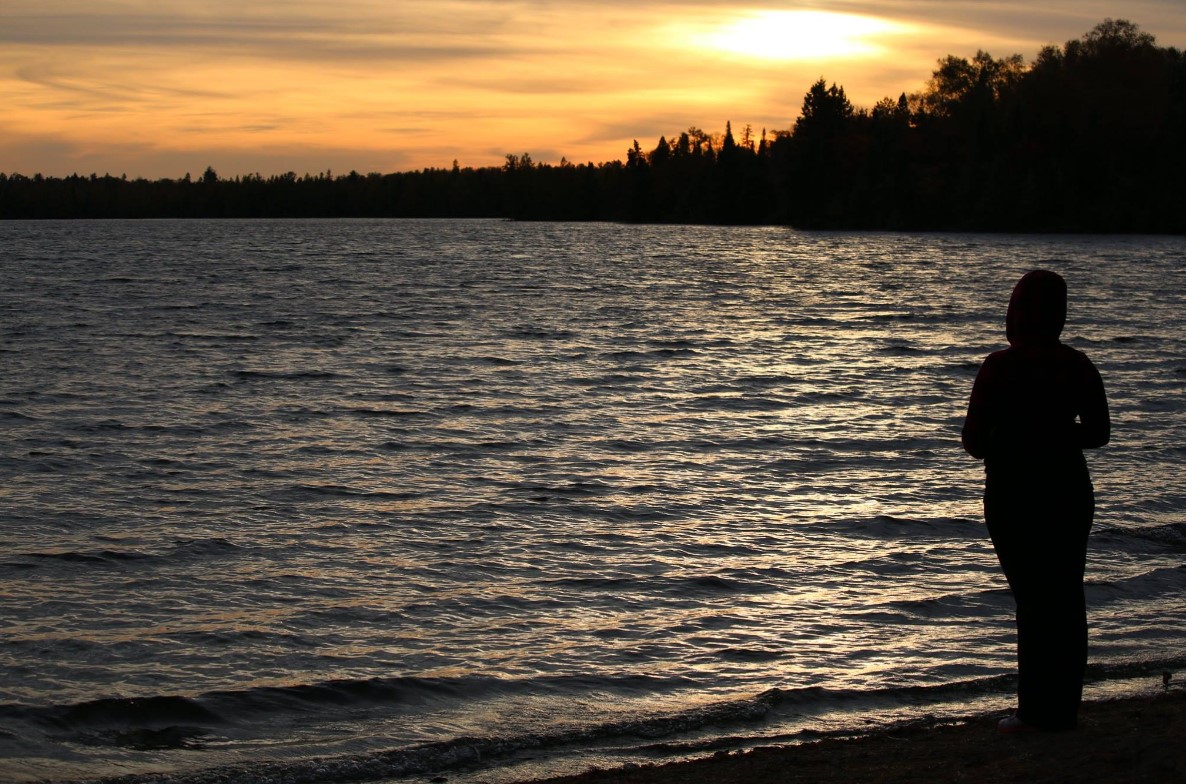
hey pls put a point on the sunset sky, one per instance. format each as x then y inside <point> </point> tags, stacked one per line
<point>158,88</point>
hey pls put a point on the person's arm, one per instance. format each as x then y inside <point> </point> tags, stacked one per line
<point>1095,426</point>
<point>977,430</point>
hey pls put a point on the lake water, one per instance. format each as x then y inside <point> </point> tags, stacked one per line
<point>331,500</point>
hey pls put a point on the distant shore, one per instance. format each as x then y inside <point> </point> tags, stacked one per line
<point>1139,739</point>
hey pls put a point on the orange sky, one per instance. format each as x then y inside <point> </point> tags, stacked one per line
<point>158,88</point>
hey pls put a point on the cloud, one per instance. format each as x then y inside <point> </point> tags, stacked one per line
<point>147,159</point>
<point>346,31</point>
<point>251,41</point>
<point>1028,23</point>
<point>57,78</point>
<point>365,30</point>
<point>152,83</point>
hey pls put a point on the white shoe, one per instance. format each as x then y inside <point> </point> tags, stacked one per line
<point>1013,724</point>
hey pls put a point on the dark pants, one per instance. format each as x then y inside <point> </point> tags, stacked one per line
<point>1039,528</point>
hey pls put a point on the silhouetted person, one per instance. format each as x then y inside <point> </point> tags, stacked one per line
<point>1035,406</point>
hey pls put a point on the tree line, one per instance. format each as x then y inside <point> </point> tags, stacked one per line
<point>1090,136</point>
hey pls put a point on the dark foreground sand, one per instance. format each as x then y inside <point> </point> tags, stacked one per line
<point>1131,740</point>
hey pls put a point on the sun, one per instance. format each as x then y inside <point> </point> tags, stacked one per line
<point>802,35</point>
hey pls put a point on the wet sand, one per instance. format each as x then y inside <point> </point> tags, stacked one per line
<point>1128,740</point>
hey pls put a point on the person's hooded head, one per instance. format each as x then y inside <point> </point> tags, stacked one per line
<point>1037,309</point>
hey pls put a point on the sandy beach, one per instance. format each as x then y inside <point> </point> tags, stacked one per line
<point>1125,740</point>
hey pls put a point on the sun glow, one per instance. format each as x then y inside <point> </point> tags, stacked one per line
<point>803,35</point>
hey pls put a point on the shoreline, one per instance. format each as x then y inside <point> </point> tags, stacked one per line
<point>1123,739</point>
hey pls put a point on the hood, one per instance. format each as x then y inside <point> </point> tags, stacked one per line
<point>1037,309</point>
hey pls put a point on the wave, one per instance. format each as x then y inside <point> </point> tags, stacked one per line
<point>343,491</point>
<point>946,606</point>
<point>1171,536</point>
<point>536,333</point>
<point>704,585</point>
<point>287,375</point>
<point>222,708</point>
<point>213,337</point>
<point>899,349</point>
<point>1146,585</point>
<point>182,549</point>
<point>655,733</point>
<point>890,527</point>
<point>497,361</point>
<point>383,412</point>
<point>250,706</point>
<point>735,403</point>
<point>100,556</point>
<point>655,353</point>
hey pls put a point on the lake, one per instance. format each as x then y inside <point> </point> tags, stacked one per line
<point>337,499</point>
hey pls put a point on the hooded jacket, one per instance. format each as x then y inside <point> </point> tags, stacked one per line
<point>1037,404</point>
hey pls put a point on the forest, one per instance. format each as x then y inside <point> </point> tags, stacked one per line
<point>1089,137</point>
